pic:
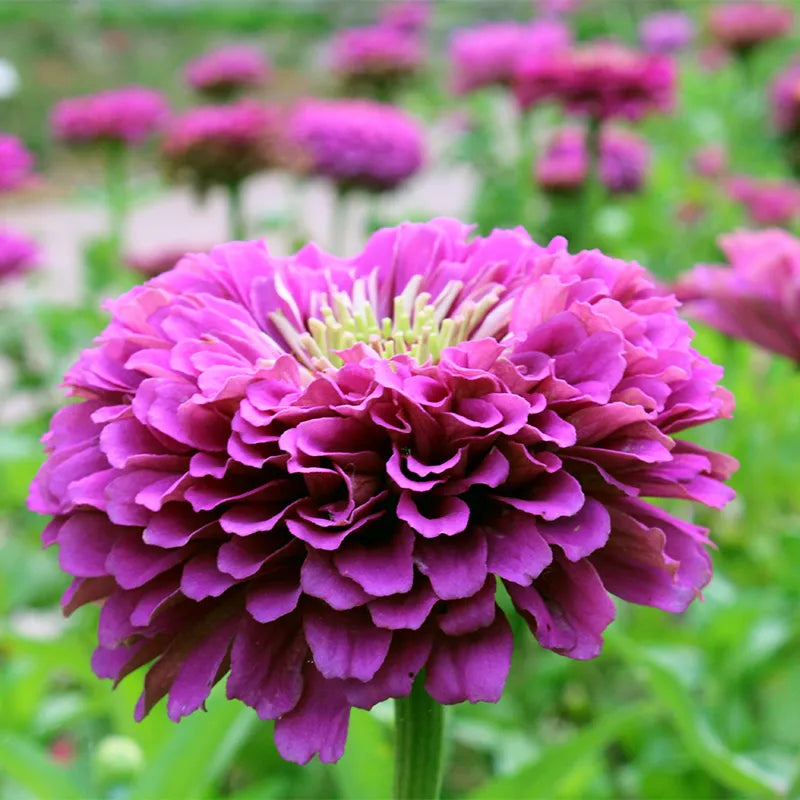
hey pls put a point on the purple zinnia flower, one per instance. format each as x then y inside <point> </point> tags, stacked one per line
<point>487,55</point>
<point>356,143</point>
<point>18,254</point>
<point>127,115</point>
<point>564,164</point>
<point>756,297</point>
<point>375,58</point>
<point>222,145</point>
<point>666,31</point>
<point>785,97</point>
<point>228,70</point>
<point>16,163</point>
<point>710,161</point>
<point>768,202</point>
<point>602,80</point>
<point>740,26</point>
<point>312,473</point>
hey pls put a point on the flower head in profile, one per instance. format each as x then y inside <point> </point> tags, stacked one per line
<point>602,80</point>
<point>16,163</point>
<point>374,60</point>
<point>785,101</point>
<point>741,26</point>
<point>128,115</point>
<point>487,54</point>
<point>357,144</point>
<point>756,296</point>
<point>666,31</point>
<point>18,254</point>
<point>222,145</point>
<point>408,16</point>
<point>768,202</point>
<point>312,474</point>
<point>227,71</point>
<point>710,161</point>
<point>564,163</point>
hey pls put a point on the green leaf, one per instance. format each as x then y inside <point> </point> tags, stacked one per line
<point>200,750</point>
<point>541,776</point>
<point>701,743</point>
<point>28,765</point>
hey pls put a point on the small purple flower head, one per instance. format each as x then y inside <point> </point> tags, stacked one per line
<point>128,115</point>
<point>710,161</point>
<point>222,145</point>
<point>602,80</point>
<point>374,59</point>
<point>408,16</point>
<point>768,202</point>
<point>666,32</point>
<point>311,474</point>
<point>357,144</point>
<point>487,55</point>
<point>18,254</point>
<point>785,101</point>
<point>757,296</point>
<point>227,71</point>
<point>741,26</point>
<point>153,263</point>
<point>16,163</point>
<point>564,164</point>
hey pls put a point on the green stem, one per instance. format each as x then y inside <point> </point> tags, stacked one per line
<point>592,192</point>
<point>419,742</point>
<point>237,230</point>
<point>116,193</point>
<point>339,221</point>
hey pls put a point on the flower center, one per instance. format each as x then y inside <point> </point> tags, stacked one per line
<point>420,326</point>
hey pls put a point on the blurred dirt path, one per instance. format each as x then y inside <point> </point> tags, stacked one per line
<point>174,220</point>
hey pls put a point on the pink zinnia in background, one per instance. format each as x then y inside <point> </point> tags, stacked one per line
<point>741,26</point>
<point>785,100</point>
<point>154,262</point>
<point>487,54</point>
<point>408,16</point>
<point>768,202</point>
<point>313,474</point>
<point>564,164</point>
<point>756,297</point>
<point>710,161</point>
<point>128,115</point>
<point>376,53</point>
<point>228,70</point>
<point>356,143</point>
<point>602,80</point>
<point>222,145</point>
<point>666,31</point>
<point>18,253</point>
<point>16,163</point>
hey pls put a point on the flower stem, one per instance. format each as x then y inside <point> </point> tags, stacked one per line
<point>592,191</point>
<point>419,742</point>
<point>116,193</point>
<point>339,220</point>
<point>237,230</point>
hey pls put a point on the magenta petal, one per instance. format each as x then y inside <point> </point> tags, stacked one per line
<point>198,673</point>
<point>85,541</point>
<point>472,667</point>
<point>445,515</point>
<point>581,535</point>
<point>317,725</point>
<point>383,569</point>
<point>517,551</point>
<point>272,598</point>
<point>407,655</point>
<point>472,613</point>
<point>455,566</point>
<point>567,608</point>
<point>320,578</point>
<point>345,644</point>
<point>267,666</point>
<point>404,610</point>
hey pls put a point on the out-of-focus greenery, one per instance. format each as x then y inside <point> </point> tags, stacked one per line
<point>705,705</point>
